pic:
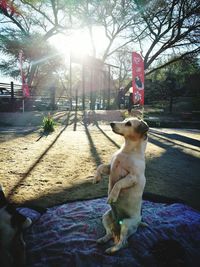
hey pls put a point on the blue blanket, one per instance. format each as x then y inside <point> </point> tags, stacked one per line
<point>65,235</point>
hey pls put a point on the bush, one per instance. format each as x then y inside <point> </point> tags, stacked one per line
<point>48,124</point>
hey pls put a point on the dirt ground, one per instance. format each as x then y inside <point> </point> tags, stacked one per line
<point>48,170</point>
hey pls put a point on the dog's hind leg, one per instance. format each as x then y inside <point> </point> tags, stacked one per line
<point>127,229</point>
<point>108,224</point>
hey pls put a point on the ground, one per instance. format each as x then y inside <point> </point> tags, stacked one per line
<point>50,169</point>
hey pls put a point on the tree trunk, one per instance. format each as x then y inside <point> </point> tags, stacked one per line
<point>170,103</point>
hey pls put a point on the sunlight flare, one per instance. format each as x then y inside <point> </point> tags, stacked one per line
<point>79,43</point>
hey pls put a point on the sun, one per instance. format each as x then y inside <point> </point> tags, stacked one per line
<point>78,43</point>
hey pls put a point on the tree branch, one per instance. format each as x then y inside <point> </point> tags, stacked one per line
<point>37,10</point>
<point>196,51</point>
<point>10,16</point>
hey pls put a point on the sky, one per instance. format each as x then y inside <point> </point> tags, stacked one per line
<point>78,42</point>
<point>3,78</point>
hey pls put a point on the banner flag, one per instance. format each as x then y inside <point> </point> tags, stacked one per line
<point>138,78</point>
<point>8,6</point>
<point>25,88</point>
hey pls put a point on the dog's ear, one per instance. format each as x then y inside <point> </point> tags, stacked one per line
<point>142,128</point>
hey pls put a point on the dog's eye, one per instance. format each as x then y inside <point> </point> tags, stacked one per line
<point>128,123</point>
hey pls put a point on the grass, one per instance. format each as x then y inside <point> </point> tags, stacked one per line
<point>48,124</point>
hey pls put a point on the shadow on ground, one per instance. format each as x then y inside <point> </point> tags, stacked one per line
<point>174,174</point>
<point>30,169</point>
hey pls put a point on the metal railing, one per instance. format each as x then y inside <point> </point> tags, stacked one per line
<point>11,89</point>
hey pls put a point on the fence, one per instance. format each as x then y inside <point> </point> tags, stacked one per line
<point>11,100</point>
<point>94,96</point>
<point>10,96</point>
<point>10,89</point>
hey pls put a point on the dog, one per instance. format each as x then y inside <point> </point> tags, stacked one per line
<point>12,245</point>
<point>126,183</point>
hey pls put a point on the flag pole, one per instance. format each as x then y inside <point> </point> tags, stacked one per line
<point>25,88</point>
<point>141,53</point>
<point>143,112</point>
<point>23,105</point>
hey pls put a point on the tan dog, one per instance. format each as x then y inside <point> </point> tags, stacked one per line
<point>126,183</point>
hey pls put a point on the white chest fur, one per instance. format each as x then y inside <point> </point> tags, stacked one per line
<point>124,163</point>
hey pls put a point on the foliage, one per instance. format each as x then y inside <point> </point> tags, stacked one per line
<point>40,59</point>
<point>181,72</point>
<point>180,79</point>
<point>173,25</point>
<point>48,124</point>
<point>165,31</point>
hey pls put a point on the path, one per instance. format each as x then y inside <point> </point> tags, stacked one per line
<point>59,167</point>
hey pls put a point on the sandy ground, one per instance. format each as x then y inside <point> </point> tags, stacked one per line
<point>53,169</point>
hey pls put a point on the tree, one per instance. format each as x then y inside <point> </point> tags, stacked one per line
<point>168,26</point>
<point>164,30</point>
<point>38,55</point>
<point>116,17</point>
<point>122,72</point>
<point>172,25</point>
<point>27,25</point>
<point>177,79</point>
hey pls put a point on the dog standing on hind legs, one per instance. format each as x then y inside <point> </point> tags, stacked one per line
<point>126,183</point>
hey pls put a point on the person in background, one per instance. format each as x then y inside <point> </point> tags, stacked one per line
<point>121,98</point>
<point>130,102</point>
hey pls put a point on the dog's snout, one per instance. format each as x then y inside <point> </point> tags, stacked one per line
<point>112,124</point>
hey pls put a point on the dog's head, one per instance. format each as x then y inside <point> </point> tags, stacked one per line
<point>133,129</point>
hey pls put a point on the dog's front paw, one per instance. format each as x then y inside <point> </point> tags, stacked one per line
<point>112,198</point>
<point>117,247</point>
<point>104,239</point>
<point>97,178</point>
<point>112,250</point>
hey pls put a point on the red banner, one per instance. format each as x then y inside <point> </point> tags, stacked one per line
<point>25,87</point>
<point>8,6</point>
<point>138,78</point>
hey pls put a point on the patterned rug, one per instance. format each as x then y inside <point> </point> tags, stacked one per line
<point>66,235</point>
